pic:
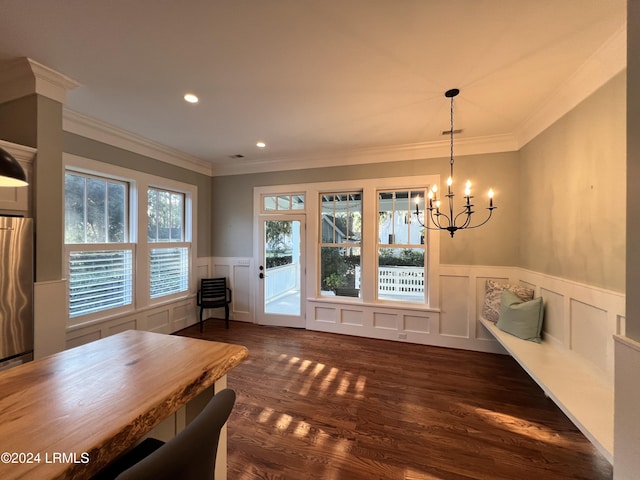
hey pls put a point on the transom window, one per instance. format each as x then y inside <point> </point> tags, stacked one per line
<point>283,202</point>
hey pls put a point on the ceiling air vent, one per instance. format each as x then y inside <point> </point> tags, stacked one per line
<point>237,155</point>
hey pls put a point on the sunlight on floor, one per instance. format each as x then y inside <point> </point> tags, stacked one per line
<point>520,426</point>
<point>265,414</point>
<point>284,421</point>
<point>410,474</point>
<point>307,377</point>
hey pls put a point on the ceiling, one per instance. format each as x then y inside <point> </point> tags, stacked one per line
<point>308,76</point>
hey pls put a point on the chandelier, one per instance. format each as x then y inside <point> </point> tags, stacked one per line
<point>448,220</point>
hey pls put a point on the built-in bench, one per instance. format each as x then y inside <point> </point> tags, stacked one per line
<point>580,392</point>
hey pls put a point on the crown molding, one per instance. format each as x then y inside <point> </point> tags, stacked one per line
<point>605,63</point>
<point>22,153</point>
<point>85,126</point>
<point>394,153</point>
<point>24,76</point>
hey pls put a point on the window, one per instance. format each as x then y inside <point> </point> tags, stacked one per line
<point>169,257</point>
<point>401,248</point>
<point>282,202</point>
<point>340,243</point>
<point>99,258</point>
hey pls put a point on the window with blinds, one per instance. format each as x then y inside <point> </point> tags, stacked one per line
<point>169,257</point>
<point>100,259</point>
<point>169,271</point>
<point>99,281</point>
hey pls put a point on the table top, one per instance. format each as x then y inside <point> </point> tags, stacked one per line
<point>69,414</point>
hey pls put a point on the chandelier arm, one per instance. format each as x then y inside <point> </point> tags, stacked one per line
<point>467,221</point>
<point>491,209</point>
<point>436,221</point>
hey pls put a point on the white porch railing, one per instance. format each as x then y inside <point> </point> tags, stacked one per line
<point>398,281</point>
<point>281,280</point>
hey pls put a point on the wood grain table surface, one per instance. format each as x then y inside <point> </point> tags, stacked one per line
<point>69,414</point>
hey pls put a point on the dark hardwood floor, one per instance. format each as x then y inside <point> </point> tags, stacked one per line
<point>318,406</point>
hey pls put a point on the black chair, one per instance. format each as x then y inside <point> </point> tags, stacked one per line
<point>214,293</point>
<point>190,455</point>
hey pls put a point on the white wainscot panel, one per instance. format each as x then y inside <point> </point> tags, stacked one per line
<point>590,334</point>
<point>241,290</point>
<point>351,317</point>
<point>81,339</point>
<point>386,321</point>
<point>222,270</point>
<point>49,317</point>
<point>122,327</point>
<point>237,270</point>
<point>325,314</point>
<point>158,321</point>
<point>454,303</point>
<point>202,271</point>
<point>554,324</point>
<point>417,323</point>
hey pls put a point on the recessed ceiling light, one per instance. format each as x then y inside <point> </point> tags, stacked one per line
<point>191,98</point>
<point>261,144</point>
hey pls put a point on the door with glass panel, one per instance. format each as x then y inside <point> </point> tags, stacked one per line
<point>281,270</point>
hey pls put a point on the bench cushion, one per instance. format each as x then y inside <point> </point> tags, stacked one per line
<point>521,319</point>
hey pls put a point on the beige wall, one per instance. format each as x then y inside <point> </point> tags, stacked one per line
<point>18,121</point>
<point>48,191</point>
<point>494,244</point>
<point>573,188</point>
<point>633,176</point>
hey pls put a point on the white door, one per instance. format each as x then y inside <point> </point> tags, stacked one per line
<point>281,271</point>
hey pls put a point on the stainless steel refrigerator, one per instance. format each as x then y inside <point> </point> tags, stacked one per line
<point>16,291</point>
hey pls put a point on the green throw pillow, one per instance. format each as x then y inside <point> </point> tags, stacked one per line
<point>519,318</point>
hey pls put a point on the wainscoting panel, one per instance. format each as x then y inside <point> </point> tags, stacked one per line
<point>580,319</point>
<point>454,306</point>
<point>325,314</point>
<point>165,318</point>
<point>238,271</point>
<point>122,327</point>
<point>416,323</point>
<point>408,324</point>
<point>351,317</point>
<point>588,328</point>
<point>385,320</point>
<point>49,317</point>
<point>158,322</point>
<point>553,328</point>
<point>242,296</point>
<point>76,341</point>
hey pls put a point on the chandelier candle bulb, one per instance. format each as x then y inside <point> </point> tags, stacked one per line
<point>490,197</point>
<point>467,191</point>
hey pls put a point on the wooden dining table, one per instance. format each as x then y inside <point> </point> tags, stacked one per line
<point>69,414</point>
